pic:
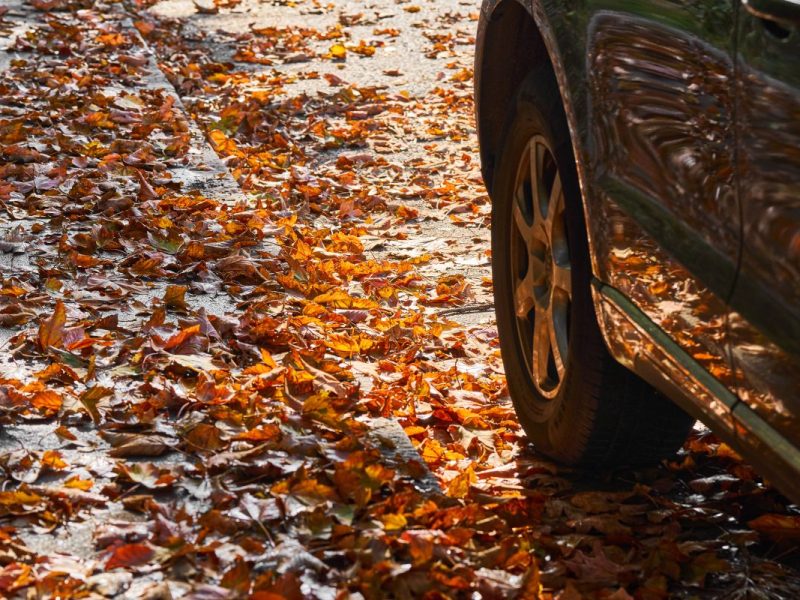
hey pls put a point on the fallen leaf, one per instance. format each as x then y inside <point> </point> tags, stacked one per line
<point>130,555</point>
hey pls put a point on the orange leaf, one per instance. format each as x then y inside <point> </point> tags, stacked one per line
<point>393,521</point>
<point>52,459</point>
<point>181,337</point>
<point>47,402</point>
<point>260,434</point>
<point>421,545</point>
<point>414,430</point>
<point>19,497</point>
<point>15,576</point>
<point>431,451</point>
<point>51,331</point>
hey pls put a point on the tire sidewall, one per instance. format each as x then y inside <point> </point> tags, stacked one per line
<point>556,425</point>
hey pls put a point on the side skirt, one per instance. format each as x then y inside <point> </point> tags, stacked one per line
<point>642,346</point>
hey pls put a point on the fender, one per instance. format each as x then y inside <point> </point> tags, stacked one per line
<point>528,53</point>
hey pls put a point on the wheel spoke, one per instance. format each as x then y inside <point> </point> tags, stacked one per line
<point>537,269</point>
<point>523,227</point>
<point>562,278</point>
<point>554,203</point>
<point>523,296</point>
<point>541,346</point>
<point>537,151</point>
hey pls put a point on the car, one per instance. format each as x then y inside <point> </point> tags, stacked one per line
<point>643,163</point>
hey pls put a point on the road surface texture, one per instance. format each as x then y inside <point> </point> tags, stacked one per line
<point>248,339</point>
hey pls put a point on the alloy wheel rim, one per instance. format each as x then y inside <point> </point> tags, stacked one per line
<point>542,275</point>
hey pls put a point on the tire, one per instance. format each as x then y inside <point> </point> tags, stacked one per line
<point>585,408</point>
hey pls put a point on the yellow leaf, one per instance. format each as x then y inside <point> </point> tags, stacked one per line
<point>460,484</point>
<point>79,484</point>
<point>338,51</point>
<point>346,346</point>
<point>393,521</point>
<point>431,451</point>
<point>341,299</point>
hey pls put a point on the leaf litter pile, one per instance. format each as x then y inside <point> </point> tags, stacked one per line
<point>252,372</point>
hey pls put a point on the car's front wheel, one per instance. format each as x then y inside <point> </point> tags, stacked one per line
<point>576,403</point>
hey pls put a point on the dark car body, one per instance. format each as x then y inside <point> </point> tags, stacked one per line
<point>684,118</point>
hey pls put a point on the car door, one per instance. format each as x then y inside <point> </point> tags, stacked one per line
<point>765,317</point>
<point>662,139</point>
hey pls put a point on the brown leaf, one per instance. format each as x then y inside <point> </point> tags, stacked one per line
<point>237,578</point>
<point>65,434</point>
<point>131,444</point>
<point>781,528</point>
<point>146,474</point>
<point>531,584</point>
<point>205,437</point>
<point>91,397</point>
<point>174,297</point>
<point>146,191</point>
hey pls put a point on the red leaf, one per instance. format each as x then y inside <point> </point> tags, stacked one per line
<point>130,555</point>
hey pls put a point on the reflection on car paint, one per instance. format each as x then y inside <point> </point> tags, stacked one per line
<point>634,348</point>
<point>765,324</point>
<point>662,114</point>
<point>666,292</point>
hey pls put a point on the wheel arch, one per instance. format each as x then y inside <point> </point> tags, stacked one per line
<point>514,38</point>
<point>508,47</point>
